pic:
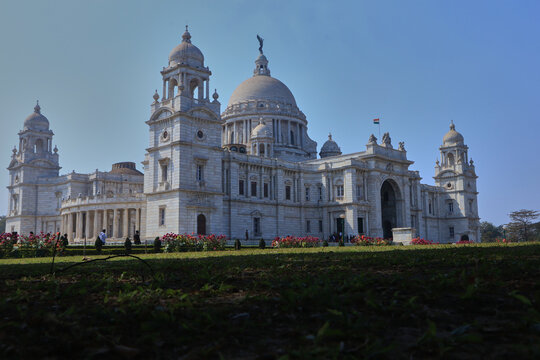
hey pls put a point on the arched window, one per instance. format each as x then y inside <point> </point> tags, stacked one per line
<point>261,150</point>
<point>172,88</point>
<point>38,147</point>
<point>194,88</point>
<point>450,158</point>
<point>201,224</point>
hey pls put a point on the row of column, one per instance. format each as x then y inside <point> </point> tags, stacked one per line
<point>239,132</point>
<point>169,88</point>
<point>88,224</point>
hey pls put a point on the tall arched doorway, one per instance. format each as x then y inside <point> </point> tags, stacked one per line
<point>201,224</point>
<point>389,207</point>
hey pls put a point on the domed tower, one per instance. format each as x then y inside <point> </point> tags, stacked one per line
<point>33,162</point>
<point>456,175</point>
<point>182,168</point>
<point>265,97</point>
<point>261,140</point>
<point>330,148</point>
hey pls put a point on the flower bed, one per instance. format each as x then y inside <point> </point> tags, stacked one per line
<point>422,241</point>
<point>362,240</point>
<point>13,245</point>
<point>464,242</point>
<point>296,242</point>
<point>185,242</point>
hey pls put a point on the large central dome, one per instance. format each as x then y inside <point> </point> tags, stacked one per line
<point>262,87</point>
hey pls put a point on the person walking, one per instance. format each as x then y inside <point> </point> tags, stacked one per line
<point>103,236</point>
<point>137,238</point>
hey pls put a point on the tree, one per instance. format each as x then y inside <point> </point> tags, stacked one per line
<point>2,224</point>
<point>490,232</point>
<point>521,227</point>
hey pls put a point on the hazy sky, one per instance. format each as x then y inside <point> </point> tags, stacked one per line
<point>94,66</point>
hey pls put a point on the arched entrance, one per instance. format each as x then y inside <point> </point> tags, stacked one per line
<point>201,224</point>
<point>390,208</point>
<point>465,237</point>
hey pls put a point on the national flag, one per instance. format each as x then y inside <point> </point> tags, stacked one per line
<point>376,121</point>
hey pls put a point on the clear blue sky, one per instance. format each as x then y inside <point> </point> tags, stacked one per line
<point>94,66</point>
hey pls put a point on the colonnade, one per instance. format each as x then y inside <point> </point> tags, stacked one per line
<point>119,223</point>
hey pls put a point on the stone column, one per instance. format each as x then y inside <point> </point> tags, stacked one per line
<point>104,223</point>
<point>208,90</point>
<point>114,232</point>
<point>78,227</point>
<point>125,223</point>
<point>138,220</point>
<point>288,132</point>
<point>96,225</point>
<point>298,134</point>
<point>87,225</point>
<point>164,90</point>
<point>69,225</point>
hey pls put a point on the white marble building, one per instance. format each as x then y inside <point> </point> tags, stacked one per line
<point>252,167</point>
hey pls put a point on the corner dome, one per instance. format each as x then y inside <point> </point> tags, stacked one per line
<point>186,53</point>
<point>452,137</point>
<point>262,130</point>
<point>36,121</point>
<point>265,88</point>
<point>330,148</point>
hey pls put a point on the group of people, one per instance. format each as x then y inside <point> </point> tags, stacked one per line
<point>336,237</point>
<point>103,237</point>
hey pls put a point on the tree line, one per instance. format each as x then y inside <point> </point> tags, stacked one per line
<point>522,227</point>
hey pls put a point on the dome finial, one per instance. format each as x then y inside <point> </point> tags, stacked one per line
<point>37,108</point>
<point>452,126</point>
<point>156,96</point>
<point>186,37</point>
<point>329,136</point>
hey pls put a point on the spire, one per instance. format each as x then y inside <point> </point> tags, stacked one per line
<point>186,37</point>
<point>37,108</point>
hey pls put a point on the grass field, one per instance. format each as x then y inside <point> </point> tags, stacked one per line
<point>473,301</point>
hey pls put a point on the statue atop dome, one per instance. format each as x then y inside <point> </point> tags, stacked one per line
<point>261,40</point>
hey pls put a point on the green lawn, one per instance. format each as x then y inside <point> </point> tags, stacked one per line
<point>473,301</point>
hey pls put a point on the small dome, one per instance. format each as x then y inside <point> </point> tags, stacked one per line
<point>452,137</point>
<point>186,53</point>
<point>262,130</point>
<point>330,148</point>
<point>36,121</point>
<point>125,168</point>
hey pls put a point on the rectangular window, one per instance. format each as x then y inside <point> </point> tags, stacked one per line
<point>287,192</point>
<point>339,191</point>
<point>253,188</point>
<point>320,192</point>
<point>257,226</point>
<point>320,226</point>
<point>240,187</point>
<point>360,222</point>
<point>164,173</point>
<point>161,216</point>
<point>265,188</point>
<point>308,226</point>
<point>429,206</point>
<point>307,193</point>
<point>451,231</point>
<point>450,207</point>
<point>200,173</point>
<point>358,192</point>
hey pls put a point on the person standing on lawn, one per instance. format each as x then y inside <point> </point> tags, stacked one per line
<point>137,238</point>
<point>103,236</point>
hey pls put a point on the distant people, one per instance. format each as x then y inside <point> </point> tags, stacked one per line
<point>137,238</point>
<point>103,236</point>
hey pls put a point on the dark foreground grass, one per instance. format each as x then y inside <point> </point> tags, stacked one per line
<point>343,303</point>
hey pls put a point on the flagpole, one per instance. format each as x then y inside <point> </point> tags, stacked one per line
<point>379,129</point>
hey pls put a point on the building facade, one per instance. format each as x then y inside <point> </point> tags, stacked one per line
<point>251,168</point>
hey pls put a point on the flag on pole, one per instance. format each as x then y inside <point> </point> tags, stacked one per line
<point>376,121</point>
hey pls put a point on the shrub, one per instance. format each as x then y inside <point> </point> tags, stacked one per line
<point>464,242</point>
<point>237,244</point>
<point>362,240</point>
<point>7,242</point>
<point>157,245</point>
<point>98,244</point>
<point>127,245</point>
<point>262,244</point>
<point>296,242</point>
<point>422,241</point>
<point>341,243</point>
<point>325,243</point>
<point>185,242</point>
